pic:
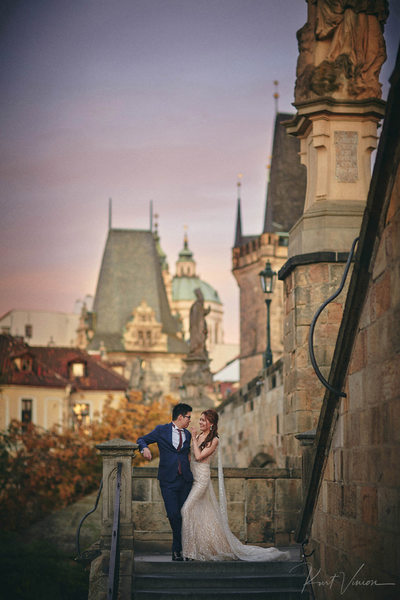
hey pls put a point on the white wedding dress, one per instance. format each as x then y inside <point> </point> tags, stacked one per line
<point>205,530</point>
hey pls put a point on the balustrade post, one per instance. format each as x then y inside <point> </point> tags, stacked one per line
<point>306,440</point>
<point>114,452</point>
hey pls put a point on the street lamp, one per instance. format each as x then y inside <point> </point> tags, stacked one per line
<point>267,280</point>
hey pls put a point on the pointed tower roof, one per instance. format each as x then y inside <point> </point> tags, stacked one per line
<point>238,232</point>
<point>287,181</point>
<point>130,273</point>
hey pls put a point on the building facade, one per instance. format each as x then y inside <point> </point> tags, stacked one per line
<point>50,386</point>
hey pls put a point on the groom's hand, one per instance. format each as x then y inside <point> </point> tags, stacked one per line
<point>147,454</point>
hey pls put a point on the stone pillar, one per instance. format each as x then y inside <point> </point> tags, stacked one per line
<point>306,287</point>
<point>306,440</point>
<point>195,379</point>
<point>337,97</point>
<point>113,452</point>
<point>336,141</point>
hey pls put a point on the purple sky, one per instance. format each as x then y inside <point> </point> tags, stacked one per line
<point>138,100</point>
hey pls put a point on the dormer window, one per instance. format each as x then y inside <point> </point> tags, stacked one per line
<point>24,363</point>
<point>77,369</point>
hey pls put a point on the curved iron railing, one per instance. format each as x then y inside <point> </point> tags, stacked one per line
<point>87,555</point>
<point>314,321</point>
<point>113,572</point>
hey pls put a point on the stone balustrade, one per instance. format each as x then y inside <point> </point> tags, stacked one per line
<point>262,504</point>
<point>262,509</point>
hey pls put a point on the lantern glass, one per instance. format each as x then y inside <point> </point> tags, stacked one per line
<point>267,278</point>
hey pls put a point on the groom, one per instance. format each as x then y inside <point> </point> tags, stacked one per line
<point>174,472</point>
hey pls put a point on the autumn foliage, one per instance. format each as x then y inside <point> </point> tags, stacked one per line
<point>131,419</point>
<point>44,470</point>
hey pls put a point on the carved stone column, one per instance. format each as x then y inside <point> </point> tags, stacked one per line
<point>114,452</point>
<point>336,142</point>
<point>337,98</point>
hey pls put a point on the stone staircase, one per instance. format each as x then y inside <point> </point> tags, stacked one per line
<point>156,580</point>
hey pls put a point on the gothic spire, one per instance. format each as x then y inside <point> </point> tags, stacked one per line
<point>238,233</point>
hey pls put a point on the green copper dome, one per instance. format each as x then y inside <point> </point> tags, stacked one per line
<point>183,289</point>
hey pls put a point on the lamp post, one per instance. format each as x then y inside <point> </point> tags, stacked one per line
<point>267,280</point>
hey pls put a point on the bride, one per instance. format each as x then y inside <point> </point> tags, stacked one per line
<point>205,530</point>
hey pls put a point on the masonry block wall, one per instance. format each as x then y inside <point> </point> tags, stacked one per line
<point>248,260</point>
<point>357,521</point>
<point>251,422</point>
<point>306,287</point>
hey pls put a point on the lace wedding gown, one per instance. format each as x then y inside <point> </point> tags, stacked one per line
<point>205,530</point>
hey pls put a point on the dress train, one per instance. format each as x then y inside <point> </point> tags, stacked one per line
<point>205,530</point>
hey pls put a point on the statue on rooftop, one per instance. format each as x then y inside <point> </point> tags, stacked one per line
<point>198,327</point>
<point>341,50</point>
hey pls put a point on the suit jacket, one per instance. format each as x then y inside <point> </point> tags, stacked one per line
<point>169,455</point>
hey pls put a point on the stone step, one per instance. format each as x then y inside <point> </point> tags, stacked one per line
<point>213,594</point>
<point>167,582</point>
<point>221,567</point>
<point>198,580</point>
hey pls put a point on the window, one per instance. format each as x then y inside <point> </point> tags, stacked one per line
<point>283,240</point>
<point>77,369</point>
<point>23,363</point>
<point>26,412</point>
<point>28,331</point>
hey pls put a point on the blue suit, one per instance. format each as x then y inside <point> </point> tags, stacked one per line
<point>175,486</point>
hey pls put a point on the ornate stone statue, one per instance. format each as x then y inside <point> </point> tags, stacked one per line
<point>341,50</point>
<point>198,327</point>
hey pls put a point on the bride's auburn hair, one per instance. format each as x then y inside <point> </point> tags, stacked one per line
<point>212,417</point>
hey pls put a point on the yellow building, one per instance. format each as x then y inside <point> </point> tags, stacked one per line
<point>50,386</point>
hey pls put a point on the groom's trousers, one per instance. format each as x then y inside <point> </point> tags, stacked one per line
<point>174,494</point>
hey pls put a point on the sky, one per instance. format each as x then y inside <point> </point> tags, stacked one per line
<point>138,101</point>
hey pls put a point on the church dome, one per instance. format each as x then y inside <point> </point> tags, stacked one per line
<point>183,289</point>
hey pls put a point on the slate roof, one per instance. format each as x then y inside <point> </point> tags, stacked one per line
<point>51,367</point>
<point>287,185</point>
<point>130,272</point>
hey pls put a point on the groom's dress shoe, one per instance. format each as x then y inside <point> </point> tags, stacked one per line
<point>177,556</point>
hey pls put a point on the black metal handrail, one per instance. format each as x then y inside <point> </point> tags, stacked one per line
<point>112,589</point>
<point>314,321</point>
<point>304,556</point>
<point>85,555</point>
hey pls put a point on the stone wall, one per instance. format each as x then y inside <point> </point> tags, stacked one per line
<point>307,286</point>
<point>356,526</point>
<point>262,505</point>
<point>250,422</point>
<point>248,260</point>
